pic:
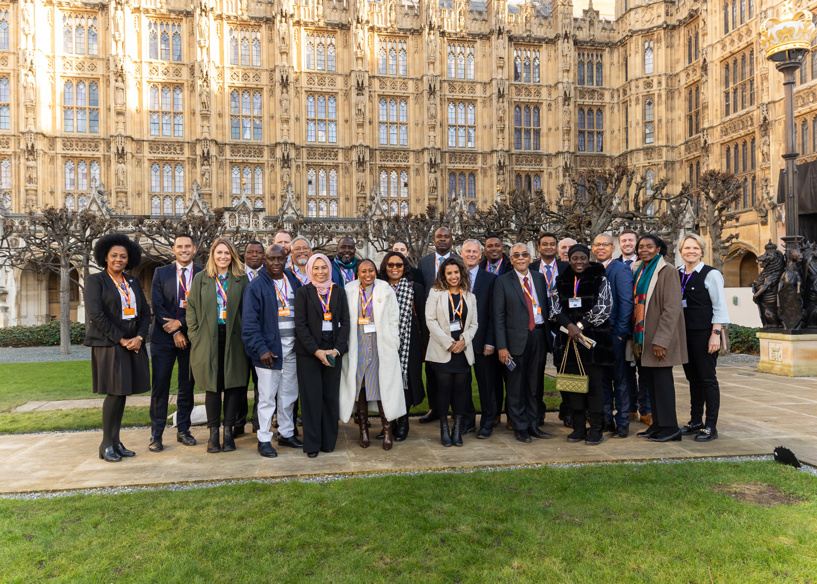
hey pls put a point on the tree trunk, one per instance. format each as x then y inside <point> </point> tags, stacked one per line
<point>65,307</point>
<point>715,232</point>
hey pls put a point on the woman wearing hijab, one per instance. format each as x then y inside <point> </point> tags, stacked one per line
<point>321,340</point>
<point>582,304</point>
<point>218,361</point>
<point>371,371</point>
<point>659,334</point>
<point>396,270</point>
<point>117,317</point>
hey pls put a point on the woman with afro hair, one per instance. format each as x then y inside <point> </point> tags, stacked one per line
<point>116,324</point>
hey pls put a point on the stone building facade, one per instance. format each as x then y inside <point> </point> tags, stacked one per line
<point>417,100</point>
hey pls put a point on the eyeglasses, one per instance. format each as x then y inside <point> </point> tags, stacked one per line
<point>602,245</point>
<point>520,255</point>
<point>392,266</point>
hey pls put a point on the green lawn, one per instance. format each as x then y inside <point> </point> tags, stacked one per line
<point>662,523</point>
<point>24,382</point>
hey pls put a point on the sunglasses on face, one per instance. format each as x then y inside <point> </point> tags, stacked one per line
<point>392,266</point>
<point>520,255</point>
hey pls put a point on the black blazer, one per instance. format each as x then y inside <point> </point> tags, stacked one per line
<point>164,297</point>
<point>511,311</point>
<point>484,291</point>
<point>309,320</point>
<point>428,270</point>
<point>104,326</point>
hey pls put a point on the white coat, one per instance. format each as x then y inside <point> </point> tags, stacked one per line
<point>386,313</point>
<point>438,323</point>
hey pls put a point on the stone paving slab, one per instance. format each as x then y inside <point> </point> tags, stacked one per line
<point>756,415</point>
<point>70,404</point>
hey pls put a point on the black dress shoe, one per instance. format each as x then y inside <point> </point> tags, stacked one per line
<point>691,429</point>
<point>663,436</point>
<point>266,450</point>
<point>484,433</point>
<point>621,432</point>
<point>610,427</point>
<point>707,435</point>
<point>312,454</point>
<point>379,435</point>
<point>568,420</point>
<point>537,433</point>
<point>156,444</point>
<point>469,428</point>
<point>649,432</point>
<point>292,442</point>
<point>185,438</point>
<point>238,431</point>
<point>522,435</point>
<point>109,454</point>
<point>429,417</point>
<point>122,451</point>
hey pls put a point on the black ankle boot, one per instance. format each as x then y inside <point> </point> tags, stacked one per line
<point>214,444</point>
<point>402,429</point>
<point>229,443</point>
<point>445,437</point>
<point>456,435</point>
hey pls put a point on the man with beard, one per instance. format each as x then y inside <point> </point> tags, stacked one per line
<point>344,266</point>
<point>254,266</point>
<point>284,239</point>
<point>301,252</point>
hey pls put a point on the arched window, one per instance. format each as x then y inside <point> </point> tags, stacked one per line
<point>167,206</point>
<point>648,188</point>
<point>744,156</point>
<point>167,178</point>
<point>258,182</point>
<point>728,159</point>
<point>5,103</point>
<point>155,205</point>
<point>179,206</point>
<point>155,178</point>
<point>94,173</point>
<point>648,57</point>
<point>5,174</point>
<point>599,81</point>
<point>580,72</point>
<point>4,30</point>
<point>70,202</point>
<point>179,178</point>
<point>590,72</point>
<point>164,44</point>
<point>82,176</point>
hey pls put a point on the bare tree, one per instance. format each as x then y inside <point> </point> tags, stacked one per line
<point>714,196</point>
<point>382,230</point>
<point>59,241</point>
<point>520,216</point>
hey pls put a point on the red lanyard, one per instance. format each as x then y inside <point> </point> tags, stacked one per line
<point>576,283</point>
<point>283,297</point>
<point>364,308</point>
<point>123,288</point>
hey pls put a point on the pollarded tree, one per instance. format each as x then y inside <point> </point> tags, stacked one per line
<point>715,194</point>
<point>518,217</point>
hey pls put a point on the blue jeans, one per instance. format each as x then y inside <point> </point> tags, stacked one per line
<point>616,387</point>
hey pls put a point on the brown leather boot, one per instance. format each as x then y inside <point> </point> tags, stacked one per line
<point>388,439</point>
<point>363,419</point>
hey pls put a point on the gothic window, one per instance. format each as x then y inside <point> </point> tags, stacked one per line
<point>526,65</point>
<point>394,190</point>
<point>179,210</point>
<point>589,69</point>
<point>258,181</point>
<point>79,34</point>
<point>742,11</point>
<point>322,192</point>
<point>245,47</point>
<point>649,47</point>
<point>751,9</point>
<point>726,17</point>
<point>5,174</point>
<point>245,114</point>
<point>461,61</point>
<point>166,182</point>
<point>693,110</point>
<point>580,71</point>
<point>650,182</point>
<point>649,121</point>
<point>80,111</point>
<point>626,126</point>
<point>166,113</point>
<point>393,116</point>
<point>4,30</point>
<point>5,104</point>
<point>164,41</point>
<point>527,127</point>
<point>462,125</point>
<point>599,74</point>
<point>320,52</point>
<point>321,118</point>
<point>734,14</point>
<point>392,57</point>
<point>462,183</point>
<point>80,176</point>
<point>728,159</point>
<point>529,182</point>
<point>70,203</point>
<point>591,130</point>
<point>739,88</point>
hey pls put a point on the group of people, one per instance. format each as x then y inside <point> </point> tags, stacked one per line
<point>342,338</point>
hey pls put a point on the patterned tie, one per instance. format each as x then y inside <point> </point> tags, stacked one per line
<point>531,322</point>
<point>548,274</point>
<point>179,310</point>
<point>253,274</point>
<point>628,263</point>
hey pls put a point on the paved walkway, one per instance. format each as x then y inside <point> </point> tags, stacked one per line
<point>758,412</point>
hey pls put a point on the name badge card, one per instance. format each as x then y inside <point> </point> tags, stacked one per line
<point>283,312</point>
<point>182,303</point>
<point>455,326</point>
<point>363,320</point>
<point>538,310</point>
<point>128,313</point>
<point>327,316</point>
<point>326,326</point>
<point>574,302</point>
<point>369,328</point>
<point>223,315</point>
<point>683,303</point>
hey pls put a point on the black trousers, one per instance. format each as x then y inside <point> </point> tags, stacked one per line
<point>485,371</point>
<point>319,387</point>
<point>431,388</point>
<point>162,360</point>
<point>703,381</point>
<point>213,402</point>
<point>453,389</point>
<point>500,374</point>
<point>521,383</point>
<point>661,386</point>
<point>243,404</point>
<point>113,408</point>
<point>592,402</point>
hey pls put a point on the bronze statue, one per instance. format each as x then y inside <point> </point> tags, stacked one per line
<point>790,292</point>
<point>764,289</point>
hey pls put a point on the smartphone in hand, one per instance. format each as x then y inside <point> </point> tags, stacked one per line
<point>511,365</point>
<point>331,359</point>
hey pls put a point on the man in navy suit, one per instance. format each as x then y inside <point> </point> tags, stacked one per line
<point>428,267</point>
<point>169,342</point>
<point>521,309</point>
<point>614,379</point>
<point>485,361</point>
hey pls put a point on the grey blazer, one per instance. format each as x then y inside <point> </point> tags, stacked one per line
<point>511,315</point>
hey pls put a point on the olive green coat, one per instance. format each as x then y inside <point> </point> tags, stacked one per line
<point>202,329</point>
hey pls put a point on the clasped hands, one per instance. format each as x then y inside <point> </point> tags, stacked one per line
<point>133,344</point>
<point>457,346</point>
<point>321,355</point>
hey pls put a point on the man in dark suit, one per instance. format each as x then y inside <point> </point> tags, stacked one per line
<point>614,378</point>
<point>521,307</point>
<point>169,343</point>
<point>550,266</point>
<point>496,260</point>
<point>253,266</point>
<point>485,361</point>
<point>428,266</point>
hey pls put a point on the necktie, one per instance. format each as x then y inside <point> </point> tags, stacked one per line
<point>548,274</point>
<point>628,263</point>
<point>531,322</point>
<point>253,274</point>
<point>179,310</point>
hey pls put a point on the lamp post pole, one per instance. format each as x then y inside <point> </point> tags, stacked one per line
<point>789,68</point>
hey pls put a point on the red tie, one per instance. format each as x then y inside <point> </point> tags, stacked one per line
<point>531,322</point>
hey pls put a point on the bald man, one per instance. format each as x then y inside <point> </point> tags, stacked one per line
<point>564,246</point>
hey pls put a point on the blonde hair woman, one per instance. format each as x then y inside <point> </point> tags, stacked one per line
<point>217,358</point>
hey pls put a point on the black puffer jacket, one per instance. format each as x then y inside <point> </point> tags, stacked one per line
<point>594,291</point>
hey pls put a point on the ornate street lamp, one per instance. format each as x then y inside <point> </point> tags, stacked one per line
<point>786,41</point>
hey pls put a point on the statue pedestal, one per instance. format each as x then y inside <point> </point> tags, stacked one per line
<point>787,353</point>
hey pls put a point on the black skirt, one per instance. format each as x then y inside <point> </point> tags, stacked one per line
<point>117,371</point>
